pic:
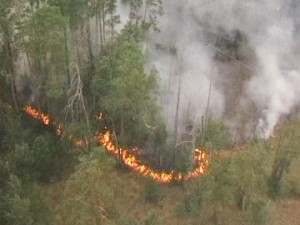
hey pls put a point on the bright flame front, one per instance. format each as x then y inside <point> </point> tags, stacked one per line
<point>201,161</point>
<point>37,115</point>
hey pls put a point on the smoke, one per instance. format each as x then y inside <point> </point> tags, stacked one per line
<point>234,60</point>
<point>276,89</point>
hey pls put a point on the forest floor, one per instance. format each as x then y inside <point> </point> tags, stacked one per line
<point>98,190</point>
<point>288,211</point>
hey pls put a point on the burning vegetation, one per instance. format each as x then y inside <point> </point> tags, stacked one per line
<point>37,115</point>
<point>128,158</point>
<point>200,159</point>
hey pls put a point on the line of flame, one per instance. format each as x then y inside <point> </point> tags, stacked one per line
<point>37,115</point>
<point>201,161</point>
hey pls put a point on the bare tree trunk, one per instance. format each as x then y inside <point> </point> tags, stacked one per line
<point>209,95</point>
<point>99,30</point>
<point>76,42</point>
<point>91,55</point>
<point>37,4</point>
<point>145,12</point>
<point>112,25</point>
<point>205,117</point>
<point>177,111</point>
<point>122,135</point>
<point>9,55</point>
<point>100,22</point>
<point>176,119</point>
<point>76,99</point>
<point>67,56</point>
<point>169,87</point>
<point>103,23</point>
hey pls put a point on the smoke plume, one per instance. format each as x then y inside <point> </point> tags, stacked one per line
<point>232,60</point>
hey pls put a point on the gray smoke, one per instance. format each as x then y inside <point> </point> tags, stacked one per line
<point>244,53</point>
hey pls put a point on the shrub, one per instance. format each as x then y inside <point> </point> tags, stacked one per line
<point>152,191</point>
<point>216,135</point>
<point>153,219</point>
<point>24,205</point>
<point>42,161</point>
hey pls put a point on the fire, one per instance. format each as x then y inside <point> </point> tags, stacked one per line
<point>38,115</point>
<point>81,143</point>
<point>59,130</point>
<point>201,161</point>
<point>100,116</point>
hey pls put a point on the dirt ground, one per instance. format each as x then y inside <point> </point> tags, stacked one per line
<point>288,212</point>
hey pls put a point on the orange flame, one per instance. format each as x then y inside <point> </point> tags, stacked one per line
<point>100,116</point>
<point>201,161</point>
<point>38,115</point>
<point>59,130</point>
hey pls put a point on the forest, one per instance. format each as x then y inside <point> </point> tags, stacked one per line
<point>149,112</point>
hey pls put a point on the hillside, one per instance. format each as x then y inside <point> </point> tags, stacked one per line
<point>99,192</point>
<point>149,112</point>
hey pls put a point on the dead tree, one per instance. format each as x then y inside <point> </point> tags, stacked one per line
<point>76,103</point>
<point>206,115</point>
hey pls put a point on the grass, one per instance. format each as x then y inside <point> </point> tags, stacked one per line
<point>99,192</point>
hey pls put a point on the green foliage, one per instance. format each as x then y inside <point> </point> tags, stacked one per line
<point>136,32</point>
<point>166,151</point>
<point>125,91</point>
<point>152,191</point>
<point>43,161</point>
<point>190,204</point>
<point>258,213</point>
<point>79,130</point>
<point>153,219</point>
<point>239,177</point>
<point>146,18</point>
<point>8,21</point>
<point>14,132</point>
<point>117,85</point>
<point>216,135</point>
<point>184,159</point>
<point>238,181</point>
<point>19,211</point>
<point>45,33</point>
<point>45,43</point>
<point>4,173</point>
<point>160,135</point>
<point>285,149</point>
<point>90,194</point>
<point>2,129</point>
<point>24,205</point>
<point>3,83</point>
<point>75,10</point>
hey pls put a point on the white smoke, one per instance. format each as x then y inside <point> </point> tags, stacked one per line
<point>185,51</point>
<point>275,88</point>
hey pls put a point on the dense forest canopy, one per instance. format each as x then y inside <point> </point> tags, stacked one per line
<point>183,88</point>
